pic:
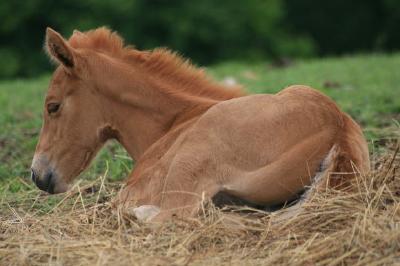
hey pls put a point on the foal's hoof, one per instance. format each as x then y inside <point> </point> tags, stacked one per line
<point>146,213</point>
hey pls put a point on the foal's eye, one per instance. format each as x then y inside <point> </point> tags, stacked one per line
<point>52,107</point>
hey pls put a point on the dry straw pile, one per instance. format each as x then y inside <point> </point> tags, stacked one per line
<point>336,228</point>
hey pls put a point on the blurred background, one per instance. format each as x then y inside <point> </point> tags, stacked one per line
<point>206,31</point>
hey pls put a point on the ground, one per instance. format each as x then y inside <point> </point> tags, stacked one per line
<point>336,228</point>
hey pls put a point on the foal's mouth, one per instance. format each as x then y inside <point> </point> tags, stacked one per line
<point>49,182</point>
<point>46,183</point>
<point>47,177</point>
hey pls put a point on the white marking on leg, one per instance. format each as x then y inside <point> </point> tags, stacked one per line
<point>146,212</point>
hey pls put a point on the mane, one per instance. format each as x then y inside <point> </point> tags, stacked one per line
<point>166,65</point>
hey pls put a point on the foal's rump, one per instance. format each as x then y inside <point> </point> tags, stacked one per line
<point>269,147</point>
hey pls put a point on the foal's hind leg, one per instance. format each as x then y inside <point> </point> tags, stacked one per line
<point>284,178</point>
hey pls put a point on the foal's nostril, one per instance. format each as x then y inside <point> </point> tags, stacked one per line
<point>33,175</point>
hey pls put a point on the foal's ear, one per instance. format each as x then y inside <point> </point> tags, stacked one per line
<point>59,49</point>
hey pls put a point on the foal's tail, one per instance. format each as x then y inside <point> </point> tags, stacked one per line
<point>346,159</point>
<point>351,156</point>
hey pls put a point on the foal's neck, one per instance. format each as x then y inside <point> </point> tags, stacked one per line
<point>145,125</point>
<point>142,109</point>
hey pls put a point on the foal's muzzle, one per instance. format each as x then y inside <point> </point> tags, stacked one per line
<point>46,177</point>
<point>47,183</point>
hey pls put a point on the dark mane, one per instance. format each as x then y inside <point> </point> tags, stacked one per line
<point>166,65</point>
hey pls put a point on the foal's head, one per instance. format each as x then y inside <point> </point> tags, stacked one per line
<point>77,115</point>
<point>73,118</point>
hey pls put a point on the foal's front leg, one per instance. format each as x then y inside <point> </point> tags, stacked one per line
<point>182,197</point>
<point>159,198</point>
<point>159,195</point>
<point>174,200</point>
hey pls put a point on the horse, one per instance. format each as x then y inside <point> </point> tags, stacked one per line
<point>191,138</point>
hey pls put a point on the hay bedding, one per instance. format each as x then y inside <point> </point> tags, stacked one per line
<point>336,228</point>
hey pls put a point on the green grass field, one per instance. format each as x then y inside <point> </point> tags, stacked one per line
<point>367,87</point>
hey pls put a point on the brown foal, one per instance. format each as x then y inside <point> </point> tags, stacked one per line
<point>190,137</point>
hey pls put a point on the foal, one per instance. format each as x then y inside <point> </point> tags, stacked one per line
<point>190,137</point>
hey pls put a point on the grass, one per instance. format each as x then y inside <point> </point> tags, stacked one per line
<point>81,228</point>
